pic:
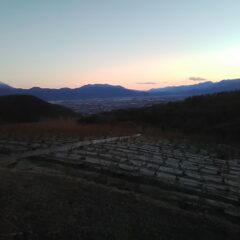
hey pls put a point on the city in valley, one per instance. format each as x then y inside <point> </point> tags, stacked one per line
<point>93,106</point>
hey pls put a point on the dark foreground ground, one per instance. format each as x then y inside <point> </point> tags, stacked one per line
<point>43,206</point>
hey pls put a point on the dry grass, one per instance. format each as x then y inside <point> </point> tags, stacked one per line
<point>69,127</point>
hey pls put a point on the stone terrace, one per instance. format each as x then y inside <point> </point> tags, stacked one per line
<point>162,169</point>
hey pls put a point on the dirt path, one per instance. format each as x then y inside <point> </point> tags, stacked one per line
<point>12,158</point>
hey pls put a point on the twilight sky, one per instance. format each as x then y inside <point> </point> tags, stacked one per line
<point>139,44</point>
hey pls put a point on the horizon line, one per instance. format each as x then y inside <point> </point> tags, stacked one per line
<point>117,85</point>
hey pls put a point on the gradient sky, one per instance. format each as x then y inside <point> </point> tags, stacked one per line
<point>139,44</point>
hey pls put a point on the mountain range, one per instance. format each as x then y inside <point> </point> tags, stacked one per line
<point>111,91</point>
<point>201,88</point>
<point>84,92</point>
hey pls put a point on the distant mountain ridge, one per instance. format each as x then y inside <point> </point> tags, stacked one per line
<point>183,88</point>
<point>4,86</point>
<point>201,88</point>
<point>84,92</point>
<point>92,91</point>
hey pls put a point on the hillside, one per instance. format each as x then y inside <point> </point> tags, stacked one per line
<point>93,184</point>
<point>26,108</point>
<point>216,114</point>
<point>43,206</point>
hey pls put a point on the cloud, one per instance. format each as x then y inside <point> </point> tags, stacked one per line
<point>197,79</point>
<point>146,83</point>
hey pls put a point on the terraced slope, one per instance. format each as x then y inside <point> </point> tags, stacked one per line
<point>191,178</point>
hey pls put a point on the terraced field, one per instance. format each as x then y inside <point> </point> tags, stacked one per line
<point>162,169</point>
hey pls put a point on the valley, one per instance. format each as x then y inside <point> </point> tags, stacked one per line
<point>93,106</point>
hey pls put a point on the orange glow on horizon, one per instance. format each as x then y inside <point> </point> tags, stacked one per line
<point>152,72</point>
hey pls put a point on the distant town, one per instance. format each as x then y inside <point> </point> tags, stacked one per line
<point>93,106</point>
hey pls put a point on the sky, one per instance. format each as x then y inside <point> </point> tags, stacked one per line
<point>139,44</point>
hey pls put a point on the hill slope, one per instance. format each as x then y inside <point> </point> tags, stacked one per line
<point>208,114</point>
<point>26,108</point>
<point>41,206</point>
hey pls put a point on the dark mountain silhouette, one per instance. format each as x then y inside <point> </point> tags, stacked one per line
<point>200,88</point>
<point>26,108</point>
<point>215,114</point>
<point>85,92</point>
<point>106,90</point>
<point>183,88</point>
<point>4,86</point>
<point>110,91</point>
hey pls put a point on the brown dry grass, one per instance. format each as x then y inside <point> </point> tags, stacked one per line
<point>69,127</point>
